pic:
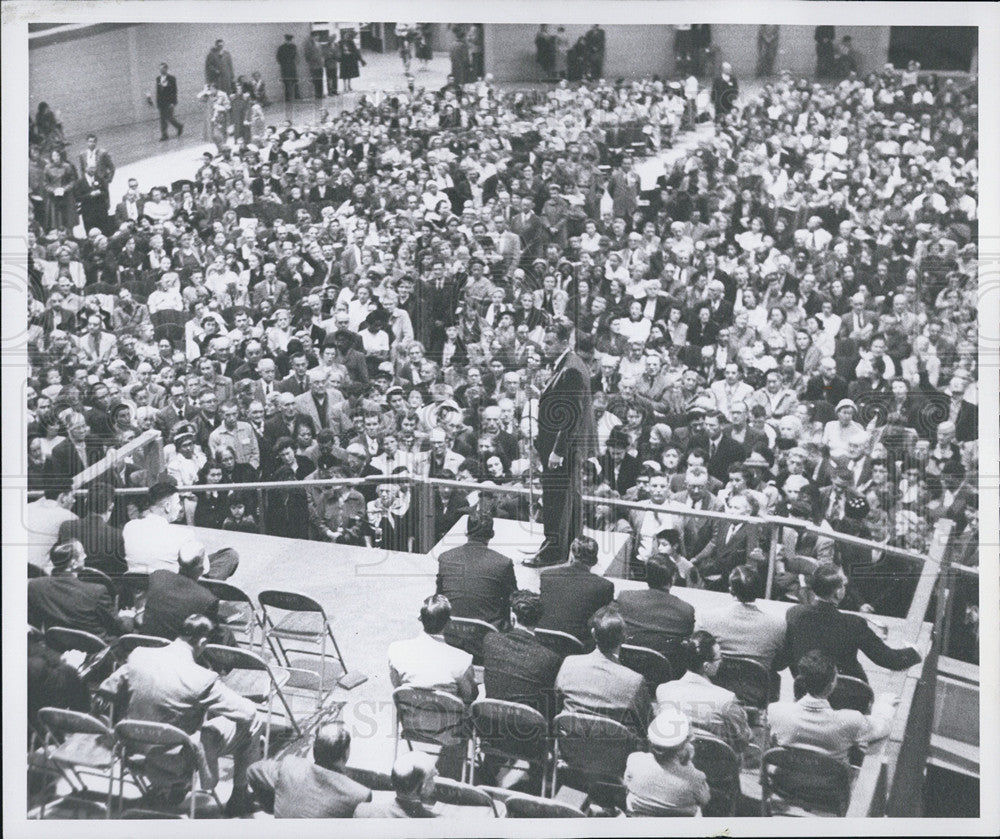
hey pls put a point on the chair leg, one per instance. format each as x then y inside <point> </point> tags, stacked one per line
<point>195,783</point>
<point>336,647</point>
<point>322,672</point>
<point>111,786</point>
<point>472,759</point>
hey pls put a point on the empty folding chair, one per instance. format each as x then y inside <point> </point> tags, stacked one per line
<point>237,610</point>
<point>304,621</point>
<point>561,643</point>
<point>532,807</point>
<point>140,743</point>
<point>805,781</point>
<point>73,742</point>
<point>251,677</point>
<point>468,634</point>
<point>96,651</point>
<point>447,791</point>
<point>430,717</point>
<point>653,666</point>
<point>512,733</point>
<point>721,766</point>
<point>592,752</point>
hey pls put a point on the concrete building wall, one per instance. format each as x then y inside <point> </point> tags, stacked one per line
<point>99,81</point>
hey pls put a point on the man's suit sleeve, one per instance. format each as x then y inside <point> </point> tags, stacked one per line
<point>223,701</point>
<point>881,654</point>
<point>263,778</point>
<point>564,410</point>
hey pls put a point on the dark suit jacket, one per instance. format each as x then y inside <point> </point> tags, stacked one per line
<point>103,544</point>
<point>727,452</point>
<point>565,412</point>
<point>628,472</point>
<point>171,598</point>
<point>517,668</point>
<point>63,600</point>
<point>655,618</point>
<point>817,390</point>
<point>477,581</point>
<point>166,94</point>
<point>720,556</point>
<point>65,460</point>
<point>570,595</point>
<point>290,384</point>
<point>297,788</point>
<point>822,626</point>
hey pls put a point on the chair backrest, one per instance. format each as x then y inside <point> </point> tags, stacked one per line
<point>135,735</point>
<point>561,643</point>
<point>849,692</point>
<point>61,721</point>
<point>226,591</point>
<point>289,601</point>
<point>468,634</point>
<point>93,575</point>
<point>721,766</point>
<point>135,581</point>
<point>61,638</point>
<point>376,781</point>
<point>448,791</point>
<point>510,729</point>
<point>654,667</point>
<point>124,645</point>
<point>748,679</point>
<point>597,747</point>
<point>223,659</point>
<point>806,778</point>
<point>532,807</point>
<point>429,716</point>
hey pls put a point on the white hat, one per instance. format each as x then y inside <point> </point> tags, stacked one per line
<point>669,729</point>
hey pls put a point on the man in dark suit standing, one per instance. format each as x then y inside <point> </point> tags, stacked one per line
<point>477,581</point>
<point>166,101</point>
<point>654,618</point>
<point>516,666</point>
<point>99,159</point>
<point>103,544</point>
<point>571,593</point>
<point>174,595</point>
<point>725,90</point>
<point>822,626</point>
<point>566,438</point>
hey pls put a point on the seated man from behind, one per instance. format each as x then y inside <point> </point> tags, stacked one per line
<point>595,683</point>
<point>571,593</point>
<point>811,723</point>
<point>296,788</point>
<point>65,600</point>
<point>742,628</point>
<point>167,685</point>
<point>413,776</point>
<point>664,781</point>
<point>655,618</point>
<point>102,542</point>
<point>516,666</point>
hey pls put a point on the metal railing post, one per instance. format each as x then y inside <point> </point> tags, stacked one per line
<point>772,559</point>
<point>260,511</point>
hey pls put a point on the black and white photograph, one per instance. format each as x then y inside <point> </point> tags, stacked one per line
<point>577,412</point>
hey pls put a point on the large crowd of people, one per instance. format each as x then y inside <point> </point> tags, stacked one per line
<point>783,322</point>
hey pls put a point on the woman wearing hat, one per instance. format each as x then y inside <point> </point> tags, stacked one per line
<point>664,781</point>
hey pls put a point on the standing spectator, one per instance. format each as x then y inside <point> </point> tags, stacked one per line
<point>767,48</point>
<point>219,68</point>
<point>60,199</point>
<point>824,36</point>
<point>350,58</point>
<point>98,158</point>
<point>313,56</point>
<point>331,62</point>
<point>725,90</point>
<point>545,51</point>
<point>594,42</point>
<point>459,53</point>
<point>94,201</point>
<point>288,56</point>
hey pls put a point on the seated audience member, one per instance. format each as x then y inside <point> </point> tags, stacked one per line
<point>173,595</point>
<point>65,600</point>
<point>516,666</point>
<point>477,581</point>
<point>664,781</point>
<point>810,722</point>
<point>52,682</point>
<point>296,788</point>
<point>571,593</point>
<point>153,541</point>
<point>44,518</point>
<point>102,543</point>
<point>427,661</point>
<point>742,628</point>
<point>822,626</point>
<point>166,684</point>
<point>730,542</point>
<point>707,706</point>
<point>595,683</point>
<point>413,776</point>
<point>655,618</point>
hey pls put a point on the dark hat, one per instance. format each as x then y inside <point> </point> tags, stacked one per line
<point>618,439</point>
<point>856,507</point>
<point>160,490</point>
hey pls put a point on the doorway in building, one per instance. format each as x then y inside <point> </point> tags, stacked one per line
<point>935,47</point>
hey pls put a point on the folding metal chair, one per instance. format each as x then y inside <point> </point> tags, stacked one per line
<point>124,646</point>
<point>654,667</point>
<point>376,781</point>
<point>139,740</point>
<point>721,766</point>
<point>96,650</point>
<point>304,621</point>
<point>849,692</point>
<point>512,732</point>
<point>74,740</point>
<point>93,575</point>
<point>134,585</point>
<point>561,643</point>
<point>594,750</point>
<point>430,717</point>
<point>251,677</point>
<point>448,791</point>
<point>532,807</point>
<point>468,634</point>
<point>245,619</point>
<point>751,681</point>
<point>818,784</point>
